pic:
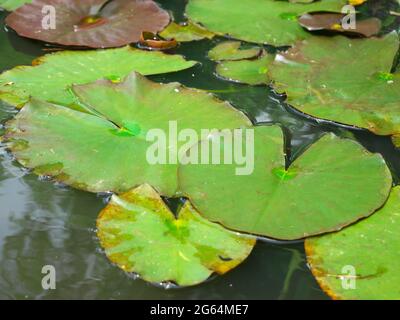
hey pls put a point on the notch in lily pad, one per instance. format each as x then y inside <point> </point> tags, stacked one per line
<point>141,235</point>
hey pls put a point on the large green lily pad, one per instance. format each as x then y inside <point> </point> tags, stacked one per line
<point>231,50</point>
<point>361,261</point>
<point>267,21</point>
<point>348,86</point>
<point>186,32</point>
<point>11,5</point>
<point>89,23</point>
<point>252,72</point>
<point>332,184</point>
<point>51,75</point>
<point>102,146</point>
<point>140,234</point>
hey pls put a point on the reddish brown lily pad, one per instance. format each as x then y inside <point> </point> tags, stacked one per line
<point>89,23</point>
<point>333,22</point>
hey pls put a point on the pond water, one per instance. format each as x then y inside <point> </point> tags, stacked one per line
<point>44,223</point>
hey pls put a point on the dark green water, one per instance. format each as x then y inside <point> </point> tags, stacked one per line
<point>44,223</point>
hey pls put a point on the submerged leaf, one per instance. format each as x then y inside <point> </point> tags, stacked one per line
<point>252,72</point>
<point>103,145</point>
<point>186,32</point>
<point>268,21</point>
<point>231,50</point>
<point>89,23</point>
<point>140,234</point>
<point>361,261</point>
<point>343,80</point>
<point>11,5</point>
<point>332,184</point>
<point>51,76</point>
<point>333,22</point>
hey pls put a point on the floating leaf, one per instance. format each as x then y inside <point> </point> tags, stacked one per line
<point>336,79</point>
<point>252,72</point>
<point>332,184</point>
<point>364,255</point>
<point>268,21</point>
<point>333,22</point>
<point>186,32</point>
<point>103,145</point>
<point>89,23</point>
<point>140,234</point>
<point>11,5</point>
<point>51,75</point>
<point>231,50</point>
<point>151,41</point>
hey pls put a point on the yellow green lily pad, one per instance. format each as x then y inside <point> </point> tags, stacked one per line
<point>188,31</point>
<point>348,81</point>
<point>51,76</point>
<point>141,235</point>
<point>361,261</point>
<point>253,72</point>
<point>231,50</point>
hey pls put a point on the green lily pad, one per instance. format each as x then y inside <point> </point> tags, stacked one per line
<point>362,93</point>
<point>140,234</point>
<point>102,145</point>
<point>361,261</point>
<point>51,75</point>
<point>94,23</point>
<point>11,5</point>
<point>332,184</point>
<point>231,50</point>
<point>268,21</point>
<point>186,32</point>
<point>252,72</point>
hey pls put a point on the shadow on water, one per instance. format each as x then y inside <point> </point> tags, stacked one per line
<point>43,223</point>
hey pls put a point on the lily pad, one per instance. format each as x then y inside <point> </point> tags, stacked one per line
<point>362,261</point>
<point>186,32</point>
<point>331,185</point>
<point>103,144</point>
<point>268,21</point>
<point>346,87</point>
<point>231,50</point>
<point>89,23</point>
<point>252,72</point>
<point>333,22</point>
<point>141,235</point>
<point>11,5</point>
<point>151,41</point>
<point>51,75</point>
